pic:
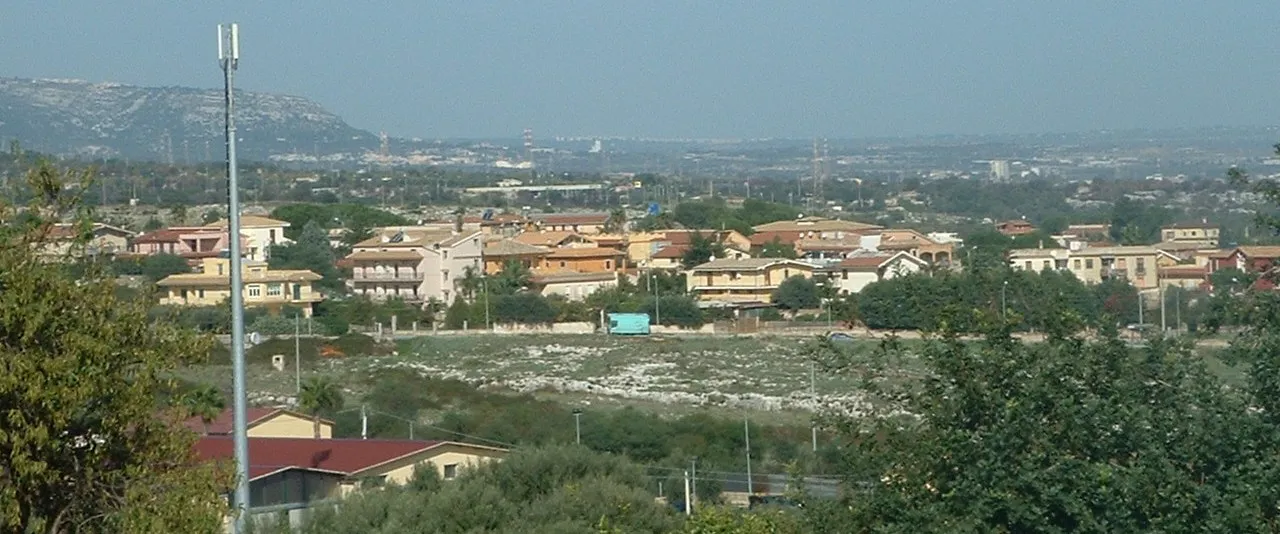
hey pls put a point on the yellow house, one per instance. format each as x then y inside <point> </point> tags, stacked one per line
<point>264,423</point>
<point>292,471</point>
<point>1138,264</point>
<point>1201,233</point>
<point>742,281</point>
<point>263,287</point>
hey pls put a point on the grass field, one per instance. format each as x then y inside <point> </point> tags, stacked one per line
<point>667,375</point>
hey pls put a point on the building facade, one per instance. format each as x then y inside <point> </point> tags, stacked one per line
<point>414,264</point>
<point>744,281</point>
<point>263,287</point>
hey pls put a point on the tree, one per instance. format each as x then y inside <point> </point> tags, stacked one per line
<point>797,293</point>
<point>178,213</point>
<point>1013,437</point>
<point>701,250</point>
<point>84,445</point>
<point>158,266</point>
<point>513,278</point>
<point>206,403</point>
<point>153,224</point>
<point>320,396</point>
<point>524,307</point>
<point>311,252</point>
<point>617,221</point>
<point>777,249</point>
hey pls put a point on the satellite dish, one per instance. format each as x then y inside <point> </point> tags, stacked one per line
<point>252,339</point>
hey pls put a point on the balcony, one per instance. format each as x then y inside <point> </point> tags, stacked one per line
<point>403,276</point>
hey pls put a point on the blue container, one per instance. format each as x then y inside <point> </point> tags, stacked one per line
<point>629,324</point>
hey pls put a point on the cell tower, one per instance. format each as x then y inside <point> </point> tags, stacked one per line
<point>384,147</point>
<point>528,145</point>
<point>817,170</point>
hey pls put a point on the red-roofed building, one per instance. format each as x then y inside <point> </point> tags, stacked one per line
<point>1015,227</point>
<point>299,470</point>
<point>264,423</point>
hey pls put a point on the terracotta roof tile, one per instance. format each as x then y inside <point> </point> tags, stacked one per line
<point>346,456</point>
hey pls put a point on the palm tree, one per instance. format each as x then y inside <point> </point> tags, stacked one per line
<point>471,283</point>
<point>206,403</point>
<point>617,222</point>
<point>319,395</point>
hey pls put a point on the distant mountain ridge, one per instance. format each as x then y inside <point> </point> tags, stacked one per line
<point>81,118</point>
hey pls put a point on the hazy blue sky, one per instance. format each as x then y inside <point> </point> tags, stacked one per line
<point>694,68</point>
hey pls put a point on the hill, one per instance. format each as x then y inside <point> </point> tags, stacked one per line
<point>85,119</point>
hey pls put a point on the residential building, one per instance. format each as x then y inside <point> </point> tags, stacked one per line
<point>1254,259</point>
<point>264,423</point>
<point>294,471</point>
<point>789,238</point>
<point>672,257</point>
<point>728,238</point>
<point>1000,170</point>
<point>585,260</point>
<point>744,281</point>
<point>1201,233</point>
<point>1138,264</point>
<point>190,243</point>
<point>1184,276</point>
<point>263,287</point>
<point>853,274</point>
<point>917,245</point>
<point>262,234</point>
<point>572,285</point>
<point>819,227</point>
<point>414,264</point>
<point>553,239</point>
<point>498,253</point>
<point>1015,227</point>
<point>578,223</point>
<point>828,251</point>
<point>103,240</point>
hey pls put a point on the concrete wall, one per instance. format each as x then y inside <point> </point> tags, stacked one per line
<point>555,328</point>
<point>289,426</point>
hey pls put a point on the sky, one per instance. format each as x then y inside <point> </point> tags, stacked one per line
<point>692,68</point>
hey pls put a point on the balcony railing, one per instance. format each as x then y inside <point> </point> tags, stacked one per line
<point>387,277</point>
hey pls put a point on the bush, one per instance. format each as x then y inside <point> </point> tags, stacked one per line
<point>676,310</point>
<point>770,314</point>
<point>523,308</point>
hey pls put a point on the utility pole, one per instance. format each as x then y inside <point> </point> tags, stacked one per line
<point>229,59</point>
<point>688,496</point>
<point>364,422</point>
<point>746,432</point>
<point>577,426</point>
<point>1141,305</point>
<point>1164,325</point>
<point>657,300</point>
<point>813,392</point>
<point>693,482</point>
<point>297,355</point>
<point>485,281</point>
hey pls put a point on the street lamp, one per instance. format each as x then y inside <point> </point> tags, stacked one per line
<point>1004,308</point>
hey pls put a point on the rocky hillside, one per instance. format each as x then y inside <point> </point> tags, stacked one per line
<point>73,117</point>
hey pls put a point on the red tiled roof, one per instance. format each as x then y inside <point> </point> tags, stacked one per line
<point>584,252</point>
<point>346,456</point>
<point>868,263</point>
<point>572,218</point>
<point>760,239</point>
<point>163,235</point>
<point>673,252</point>
<point>1184,271</point>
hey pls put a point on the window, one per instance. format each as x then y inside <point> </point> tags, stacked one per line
<point>1075,264</point>
<point>608,264</point>
<point>450,471</point>
<point>183,294</point>
<point>735,275</point>
<point>562,263</point>
<point>1044,265</point>
<point>844,275</point>
<point>200,293</point>
<point>275,290</point>
<point>1026,265</point>
<point>1142,264</point>
<point>272,233</point>
<point>255,290</point>
<point>446,254</point>
<point>219,269</point>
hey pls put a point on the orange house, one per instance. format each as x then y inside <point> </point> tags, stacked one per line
<point>585,260</point>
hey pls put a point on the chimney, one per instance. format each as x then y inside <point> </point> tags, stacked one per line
<point>457,224</point>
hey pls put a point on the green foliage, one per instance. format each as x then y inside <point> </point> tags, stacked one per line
<point>356,218</point>
<point>458,315</point>
<point>777,249</point>
<point>972,300</point>
<point>676,310</point>
<point>701,250</point>
<point>1013,437</point>
<point>513,278</point>
<point>204,402</point>
<point>158,266</point>
<point>84,446</point>
<point>723,520</point>
<point>310,251</point>
<point>1136,223</point>
<point>797,293</point>
<point>524,308</point>
<point>319,397</point>
<point>987,249</point>
<point>563,489</point>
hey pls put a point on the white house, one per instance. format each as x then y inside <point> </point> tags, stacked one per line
<point>855,273</point>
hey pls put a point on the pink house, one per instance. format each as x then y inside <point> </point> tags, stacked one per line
<point>189,242</point>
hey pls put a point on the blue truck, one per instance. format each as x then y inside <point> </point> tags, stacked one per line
<point>629,324</point>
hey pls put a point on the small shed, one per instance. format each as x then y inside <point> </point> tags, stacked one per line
<point>629,324</point>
